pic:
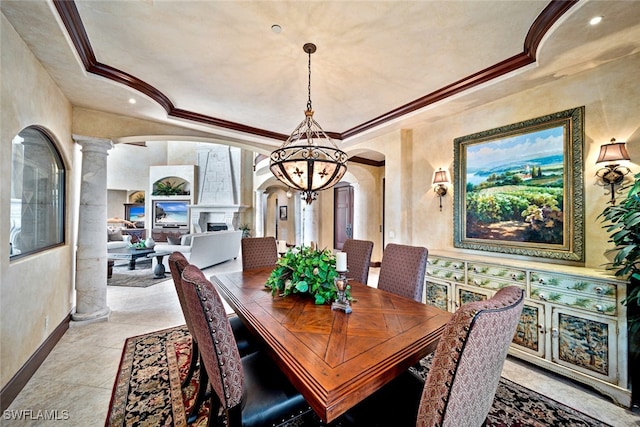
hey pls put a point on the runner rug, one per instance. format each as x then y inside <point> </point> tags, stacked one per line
<point>147,391</point>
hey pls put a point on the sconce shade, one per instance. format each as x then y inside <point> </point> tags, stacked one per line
<point>613,152</point>
<point>440,177</point>
<point>613,174</point>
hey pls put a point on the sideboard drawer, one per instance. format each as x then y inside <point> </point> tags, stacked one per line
<point>446,269</point>
<point>577,292</point>
<point>499,272</point>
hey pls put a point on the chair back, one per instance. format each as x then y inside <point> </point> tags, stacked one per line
<point>402,270</point>
<point>177,264</point>
<point>358,259</point>
<point>259,252</point>
<point>217,345</point>
<point>466,367</point>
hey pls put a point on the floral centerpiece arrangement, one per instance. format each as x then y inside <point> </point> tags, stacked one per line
<point>306,270</point>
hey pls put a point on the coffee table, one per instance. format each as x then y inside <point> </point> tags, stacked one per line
<point>130,254</point>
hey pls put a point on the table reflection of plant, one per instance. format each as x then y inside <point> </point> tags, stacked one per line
<point>304,270</point>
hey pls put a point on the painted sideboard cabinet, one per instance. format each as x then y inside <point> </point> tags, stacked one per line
<point>573,322</point>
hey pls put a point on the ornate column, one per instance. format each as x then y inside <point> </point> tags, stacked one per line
<point>91,255</point>
<point>259,210</point>
<point>310,222</point>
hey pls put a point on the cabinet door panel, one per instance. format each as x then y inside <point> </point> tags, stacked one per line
<point>530,334</point>
<point>585,343</point>
<point>438,294</point>
<point>465,294</point>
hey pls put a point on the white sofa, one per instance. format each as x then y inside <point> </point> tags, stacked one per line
<point>204,249</point>
<point>116,240</point>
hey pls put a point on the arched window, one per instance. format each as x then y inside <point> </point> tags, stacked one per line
<point>37,194</point>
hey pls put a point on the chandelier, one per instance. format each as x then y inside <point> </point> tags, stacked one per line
<point>309,160</point>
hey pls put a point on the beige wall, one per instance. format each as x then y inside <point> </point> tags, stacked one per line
<point>611,96</point>
<point>35,293</point>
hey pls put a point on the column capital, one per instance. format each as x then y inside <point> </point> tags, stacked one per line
<point>90,143</point>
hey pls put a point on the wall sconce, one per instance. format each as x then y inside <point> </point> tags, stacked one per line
<point>440,182</point>
<point>613,174</point>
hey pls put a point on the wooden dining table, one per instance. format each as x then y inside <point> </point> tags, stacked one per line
<point>333,358</point>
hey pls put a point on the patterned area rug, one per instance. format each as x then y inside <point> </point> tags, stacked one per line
<point>148,391</point>
<point>141,277</point>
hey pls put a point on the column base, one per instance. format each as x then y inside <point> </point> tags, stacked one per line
<point>98,316</point>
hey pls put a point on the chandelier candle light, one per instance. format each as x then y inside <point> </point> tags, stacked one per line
<point>309,160</point>
<point>342,302</point>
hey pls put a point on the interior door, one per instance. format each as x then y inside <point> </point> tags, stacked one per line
<point>343,215</point>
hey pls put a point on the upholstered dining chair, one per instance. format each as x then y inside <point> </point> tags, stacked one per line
<point>465,370</point>
<point>251,391</point>
<point>259,252</point>
<point>358,259</point>
<point>177,264</point>
<point>402,270</point>
<point>245,341</point>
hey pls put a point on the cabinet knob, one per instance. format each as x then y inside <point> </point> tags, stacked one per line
<point>540,280</point>
<point>541,329</point>
<point>554,332</point>
<point>542,296</point>
<point>599,290</point>
<point>600,308</point>
<point>514,276</point>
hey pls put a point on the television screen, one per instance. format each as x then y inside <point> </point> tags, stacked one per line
<point>136,214</point>
<point>171,213</point>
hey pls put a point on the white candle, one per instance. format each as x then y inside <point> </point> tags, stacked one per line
<point>341,261</point>
<point>282,246</point>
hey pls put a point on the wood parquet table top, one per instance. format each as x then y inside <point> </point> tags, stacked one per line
<point>335,359</point>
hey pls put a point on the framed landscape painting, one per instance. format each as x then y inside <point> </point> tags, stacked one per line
<point>520,189</point>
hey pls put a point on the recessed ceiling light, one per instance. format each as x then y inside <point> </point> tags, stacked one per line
<point>277,29</point>
<point>132,101</point>
<point>595,20</point>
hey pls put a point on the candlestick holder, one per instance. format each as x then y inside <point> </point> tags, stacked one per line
<point>341,303</point>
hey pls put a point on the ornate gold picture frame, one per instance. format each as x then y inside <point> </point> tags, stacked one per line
<point>520,190</point>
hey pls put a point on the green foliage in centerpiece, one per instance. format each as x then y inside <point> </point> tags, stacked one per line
<point>304,270</point>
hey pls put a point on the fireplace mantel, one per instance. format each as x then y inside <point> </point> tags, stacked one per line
<point>202,214</point>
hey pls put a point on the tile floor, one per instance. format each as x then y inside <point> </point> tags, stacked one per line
<point>77,378</point>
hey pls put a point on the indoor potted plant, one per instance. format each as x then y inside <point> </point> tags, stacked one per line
<point>306,270</point>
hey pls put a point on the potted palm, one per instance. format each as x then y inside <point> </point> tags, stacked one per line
<point>623,225</point>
